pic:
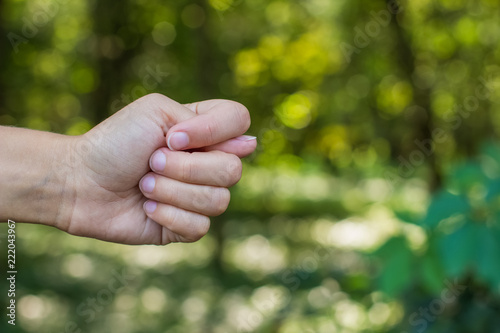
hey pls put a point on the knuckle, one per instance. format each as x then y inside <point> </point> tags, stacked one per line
<point>220,201</point>
<point>211,130</point>
<point>167,193</point>
<point>155,97</point>
<point>202,199</point>
<point>202,225</point>
<point>187,169</point>
<point>153,106</point>
<point>242,115</point>
<point>234,169</point>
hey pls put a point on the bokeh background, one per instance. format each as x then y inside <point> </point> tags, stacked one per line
<point>371,204</point>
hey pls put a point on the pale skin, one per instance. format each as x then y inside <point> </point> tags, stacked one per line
<point>129,180</point>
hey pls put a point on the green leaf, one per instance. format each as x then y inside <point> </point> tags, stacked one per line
<point>493,190</point>
<point>465,175</point>
<point>397,268</point>
<point>407,216</point>
<point>431,271</point>
<point>488,255</point>
<point>444,205</point>
<point>458,249</point>
<point>492,150</point>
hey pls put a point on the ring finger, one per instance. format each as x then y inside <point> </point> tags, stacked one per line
<point>201,199</point>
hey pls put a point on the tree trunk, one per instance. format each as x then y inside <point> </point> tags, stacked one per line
<point>206,78</point>
<point>423,119</point>
<point>111,70</point>
<point>4,51</point>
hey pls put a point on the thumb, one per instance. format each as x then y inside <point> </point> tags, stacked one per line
<point>214,121</point>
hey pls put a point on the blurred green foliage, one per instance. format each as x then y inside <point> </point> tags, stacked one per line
<point>369,205</point>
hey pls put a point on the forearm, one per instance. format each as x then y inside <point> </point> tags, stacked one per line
<point>33,181</point>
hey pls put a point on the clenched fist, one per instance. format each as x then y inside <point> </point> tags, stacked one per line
<point>150,174</point>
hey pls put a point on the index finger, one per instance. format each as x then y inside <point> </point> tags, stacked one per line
<point>217,121</point>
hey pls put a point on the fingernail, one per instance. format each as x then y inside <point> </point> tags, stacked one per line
<point>148,184</point>
<point>246,138</point>
<point>150,206</point>
<point>158,162</point>
<point>178,141</point>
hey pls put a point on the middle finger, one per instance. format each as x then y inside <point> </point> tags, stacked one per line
<point>205,200</point>
<point>213,168</point>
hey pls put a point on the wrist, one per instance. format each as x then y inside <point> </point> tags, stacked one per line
<point>64,170</point>
<point>37,185</point>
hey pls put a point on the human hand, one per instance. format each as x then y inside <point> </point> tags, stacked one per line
<point>183,190</point>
